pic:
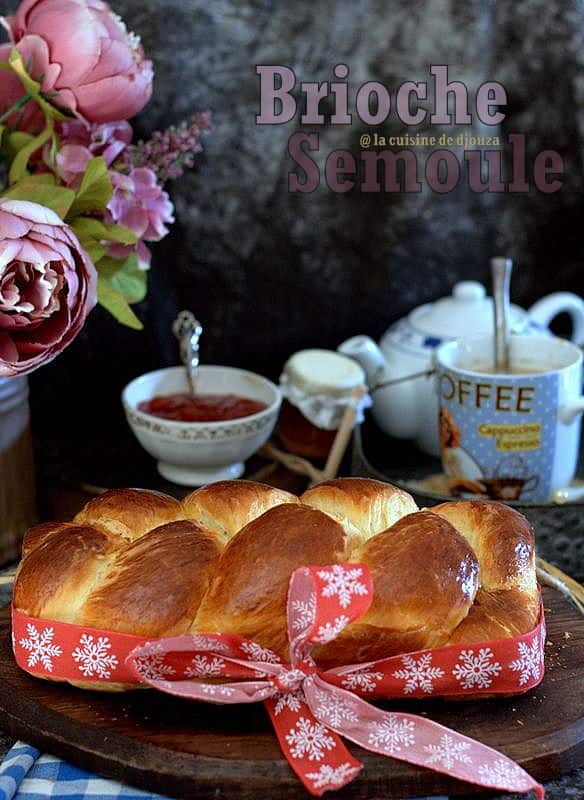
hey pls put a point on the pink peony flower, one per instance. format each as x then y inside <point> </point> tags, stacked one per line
<point>139,203</point>
<point>47,286</point>
<point>85,56</point>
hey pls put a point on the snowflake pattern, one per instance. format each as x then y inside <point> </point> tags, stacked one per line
<point>448,752</point>
<point>206,643</point>
<point>292,678</point>
<point>40,647</point>
<point>216,689</point>
<point>333,709</point>
<point>291,700</point>
<point>392,734</point>
<point>476,670</point>
<point>94,657</point>
<point>504,774</point>
<point>328,632</point>
<point>361,681</point>
<point>529,662</point>
<point>258,653</point>
<point>343,583</point>
<point>205,667</point>
<point>153,668</point>
<point>154,647</point>
<point>332,776</point>
<point>418,673</point>
<point>308,740</point>
<point>305,613</point>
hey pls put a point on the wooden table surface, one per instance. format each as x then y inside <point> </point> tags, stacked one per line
<point>160,743</point>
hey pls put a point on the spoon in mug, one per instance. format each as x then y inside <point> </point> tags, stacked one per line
<point>188,331</point>
<point>501,271</point>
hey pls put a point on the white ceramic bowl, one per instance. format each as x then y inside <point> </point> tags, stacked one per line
<point>196,453</point>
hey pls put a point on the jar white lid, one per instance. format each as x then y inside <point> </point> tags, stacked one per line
<point>318,371</point>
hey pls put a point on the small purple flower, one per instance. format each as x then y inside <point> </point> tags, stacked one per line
<point>140,204</point>
<point>71,162</point>
<point>107,140</point>
<point>168,153</point>
<point>122,251</point>
<point>81,142</point>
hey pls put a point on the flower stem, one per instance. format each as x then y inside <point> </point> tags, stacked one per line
<point>16,107</point>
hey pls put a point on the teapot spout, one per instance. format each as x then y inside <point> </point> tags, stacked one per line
<point>367,354</point>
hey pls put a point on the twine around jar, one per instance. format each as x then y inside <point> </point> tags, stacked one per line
<point>301,466</point>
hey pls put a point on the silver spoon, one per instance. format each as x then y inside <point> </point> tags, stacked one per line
<point>501,271</point>
<point>188,331</point>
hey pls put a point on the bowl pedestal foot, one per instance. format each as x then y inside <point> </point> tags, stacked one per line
<point>188,476</point>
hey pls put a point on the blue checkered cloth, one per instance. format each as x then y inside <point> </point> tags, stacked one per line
<point>26,774</point>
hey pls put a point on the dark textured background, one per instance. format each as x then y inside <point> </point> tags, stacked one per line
<point>268,272</point>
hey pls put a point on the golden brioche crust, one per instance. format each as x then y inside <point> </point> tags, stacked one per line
<point>363,506</point>
<point>249,589</point>
<point>56,576</point>
<point>227,506</point>
<point>501,537</point>
<point>165,573</point>
<point>497,615</point>
<point>425,578</point>
<point>130,512</point>
<point>508,601</point>
<point>38,533</point>
<point>141,562</point>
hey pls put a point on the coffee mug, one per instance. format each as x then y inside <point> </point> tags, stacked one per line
<point>515,435</point>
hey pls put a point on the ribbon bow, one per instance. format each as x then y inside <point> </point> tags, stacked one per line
<point>309,709</point>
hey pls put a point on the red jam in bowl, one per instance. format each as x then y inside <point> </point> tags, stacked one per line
<point>183,407</point>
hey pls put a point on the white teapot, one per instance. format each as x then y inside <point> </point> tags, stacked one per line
<point>409,409</point>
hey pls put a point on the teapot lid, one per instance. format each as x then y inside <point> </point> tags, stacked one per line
<point>467,311</point>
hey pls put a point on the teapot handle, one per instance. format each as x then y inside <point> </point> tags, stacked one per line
<point>549,307</point>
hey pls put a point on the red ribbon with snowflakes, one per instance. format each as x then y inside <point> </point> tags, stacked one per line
<point>312,711</point>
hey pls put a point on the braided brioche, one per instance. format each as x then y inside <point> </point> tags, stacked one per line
<point>140,562</point>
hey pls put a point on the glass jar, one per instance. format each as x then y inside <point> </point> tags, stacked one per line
<point>17,484</point>
<point>317,386</point>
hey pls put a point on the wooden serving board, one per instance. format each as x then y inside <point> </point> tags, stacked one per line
<point>197,750</point>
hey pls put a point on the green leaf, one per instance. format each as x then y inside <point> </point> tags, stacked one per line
<point>14,143</point>
<point>93,233</point>
<point>46,178</point>
<point>95,190</point>
<point>18,168</point>
<point>94,249</point>
<point>32,87</point>
<point>57,198</point>
<point>102,231</point>
<point>120,234</point>
<point>125,277</point>
<point>90,233</point>
<point>117,305</point>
